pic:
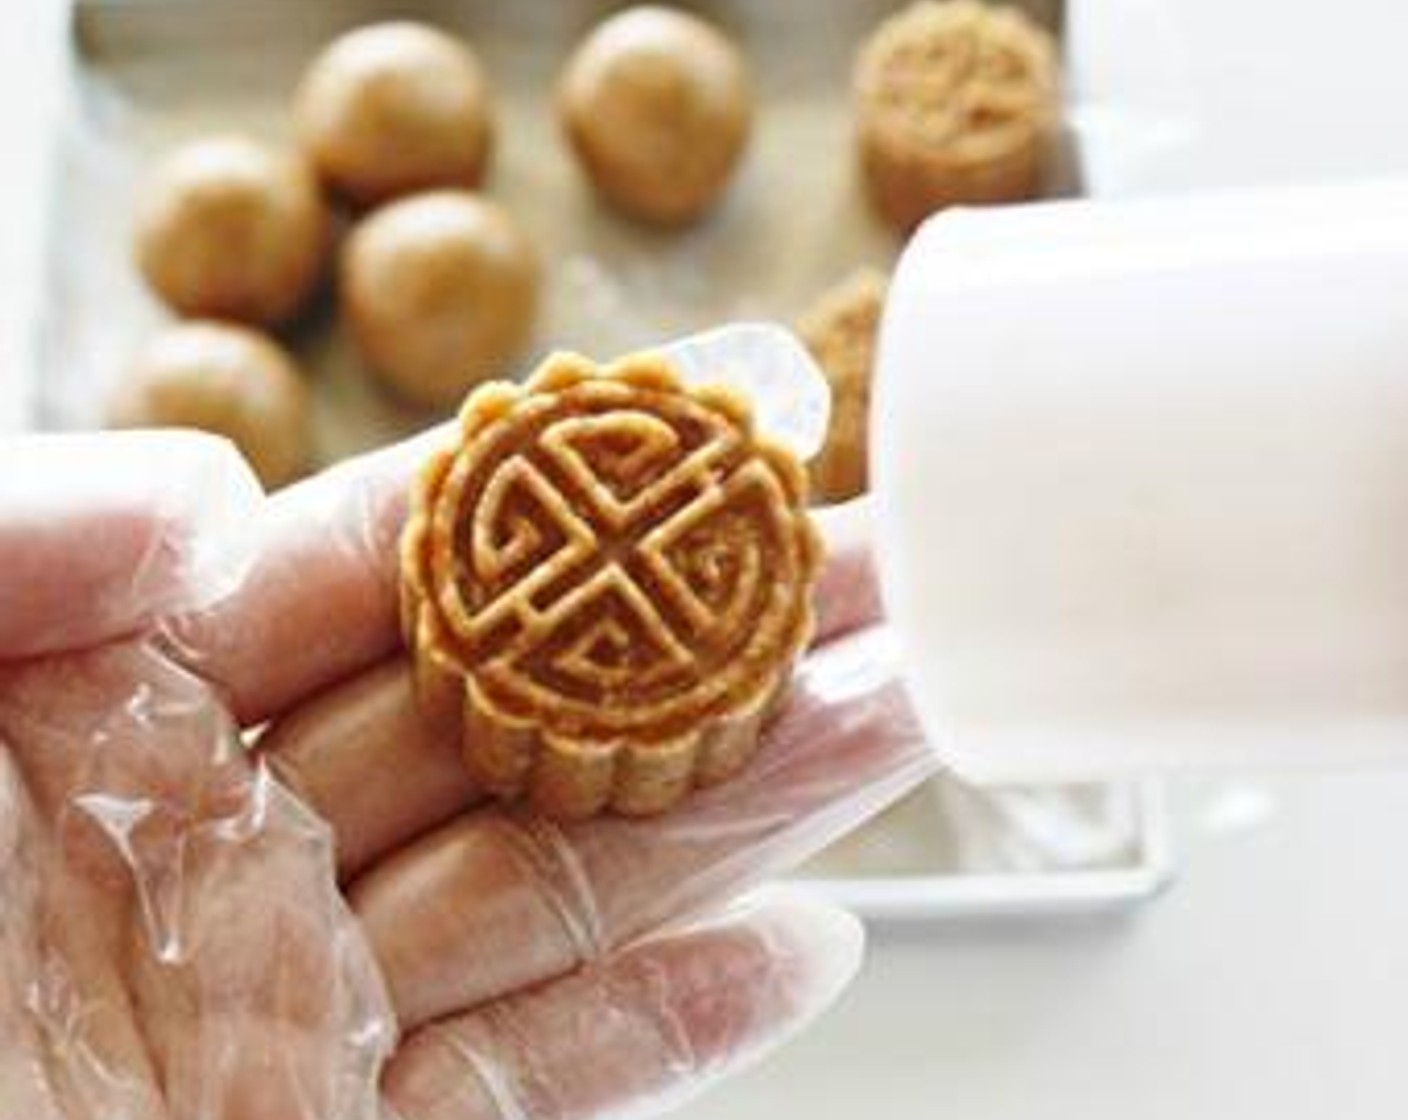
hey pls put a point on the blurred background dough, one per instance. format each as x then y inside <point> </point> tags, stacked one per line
<point>226,379</point>
<point>657,107</point>
<point>440,290</point>
<point>392,108</point>
<point>232,229</point>
<point>956,102</point>
<point>840,330</point>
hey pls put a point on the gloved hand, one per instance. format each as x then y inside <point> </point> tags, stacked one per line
<point>327,920</point>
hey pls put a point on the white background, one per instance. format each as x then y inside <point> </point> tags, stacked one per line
<point>1269,983</point>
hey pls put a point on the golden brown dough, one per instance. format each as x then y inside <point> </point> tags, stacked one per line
<point>657,107</point>
<point>392,108</point>
<point>840,331</point>
<point>232,229</point>
<point>226,379</point>
<point>608,574</point>
<point>955,103</point>
<point>440,290</point>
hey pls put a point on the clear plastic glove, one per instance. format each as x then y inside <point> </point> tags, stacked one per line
<point>325,919</point>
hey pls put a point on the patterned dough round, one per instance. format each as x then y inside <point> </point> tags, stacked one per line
<point>956,102</point>
<point>612,574</point>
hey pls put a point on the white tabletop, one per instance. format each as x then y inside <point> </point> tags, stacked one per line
<point>1269,983</point>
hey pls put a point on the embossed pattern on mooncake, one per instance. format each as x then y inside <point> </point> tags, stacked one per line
<point>612,574</point>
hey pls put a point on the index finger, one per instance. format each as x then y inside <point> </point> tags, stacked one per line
<point>319,601</point>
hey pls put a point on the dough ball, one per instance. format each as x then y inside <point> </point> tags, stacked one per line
<point>657,107</point>
<point>226,379</point>
<point>840,331</point>
<point>393,108</point>
<point>229,228</point>
<point>440,290</point>
<point>955,103</point>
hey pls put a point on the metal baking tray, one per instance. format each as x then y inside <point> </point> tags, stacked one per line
<point>143,75</point>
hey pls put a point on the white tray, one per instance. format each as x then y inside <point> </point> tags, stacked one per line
<point>143,74</point>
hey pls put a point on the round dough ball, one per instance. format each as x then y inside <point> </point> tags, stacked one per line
<point>232,229</point>
<point>440,289</point>
<point>393,108</point>
<point>955,103</point>
<point>657,107</point>
<point>226,379</point>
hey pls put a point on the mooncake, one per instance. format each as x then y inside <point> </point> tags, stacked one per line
<point>610,576</point>
<point>840,331</point>
<point>955,103</point>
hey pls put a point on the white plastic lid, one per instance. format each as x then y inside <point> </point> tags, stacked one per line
<point>1142,482</point>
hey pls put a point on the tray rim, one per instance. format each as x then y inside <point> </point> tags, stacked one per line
<point>912,899</point>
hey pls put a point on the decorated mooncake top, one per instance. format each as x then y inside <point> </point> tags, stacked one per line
<point>611,560</point>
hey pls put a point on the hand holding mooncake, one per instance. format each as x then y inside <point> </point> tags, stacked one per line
<point>611,575</point>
